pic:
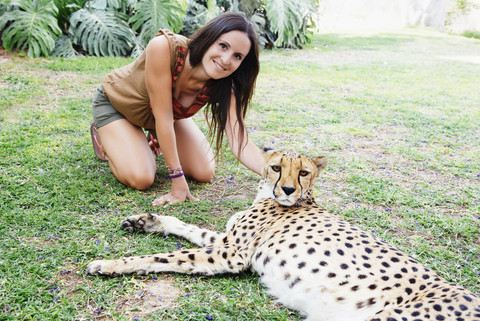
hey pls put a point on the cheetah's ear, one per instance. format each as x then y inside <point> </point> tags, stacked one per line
<point>320,162</point>
<point>266,147</point>
<point>267,150</point>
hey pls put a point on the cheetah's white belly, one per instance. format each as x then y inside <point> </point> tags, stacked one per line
<point>313,296</point>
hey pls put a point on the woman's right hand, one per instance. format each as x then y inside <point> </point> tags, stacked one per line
<point>178,193</point>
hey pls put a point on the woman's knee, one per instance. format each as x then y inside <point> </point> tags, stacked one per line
<point>139,179</point>
<point>202,174</point>
<point>205,176</point>
<point>139,182</point>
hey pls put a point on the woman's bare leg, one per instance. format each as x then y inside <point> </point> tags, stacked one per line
<point>133,163</point>
<point>194,151</point>
<point>129,155</point>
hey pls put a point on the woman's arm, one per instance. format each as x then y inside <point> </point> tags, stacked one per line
<point>250,154</point>
<point>158,79</point>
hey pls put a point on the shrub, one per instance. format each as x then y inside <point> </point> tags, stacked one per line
<point>30,25</point>
<point>68,28</point>
<point>472,34</point>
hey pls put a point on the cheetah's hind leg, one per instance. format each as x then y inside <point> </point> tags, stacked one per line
<point>152,223</point>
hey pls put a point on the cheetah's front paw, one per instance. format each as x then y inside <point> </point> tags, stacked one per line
<point>102,267</point>
<point>143,223</point>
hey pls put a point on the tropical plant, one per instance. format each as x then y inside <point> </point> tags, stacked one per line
<point>151,15</point>
<point>124,27</point>
<point>101,32</point>
<point>256,14</point>
<point>64,48</point>
<point>309,12</point>
<point>3,8</point>
<point>107,27</point>
<point>30,25</point>
<point>198,13</point>
<point>285,20</point>
<point>289,20</point>
<point>65,9</point>
<point>279,23</point>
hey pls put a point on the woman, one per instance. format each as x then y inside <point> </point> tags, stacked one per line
<point>162,89</point>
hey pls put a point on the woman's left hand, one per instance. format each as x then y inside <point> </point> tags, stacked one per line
<point>178,194</point>
<point>170,199</point>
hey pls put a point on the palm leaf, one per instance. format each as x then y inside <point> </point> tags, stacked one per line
<point>103,4</point>
<point>256,18</point>
<point>65,10</point>
<point>64,48</point>
<point>309,9</point>
<point>101,32</point>
<point>198,15</point>
<point>259,23</point>
<point>151,15</point>
<point>137,49</point>
<point>285,20</point>
<point>32,26</point>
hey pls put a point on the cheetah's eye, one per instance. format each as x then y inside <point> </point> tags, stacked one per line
<point>304,173</point>
<point>276,168</point>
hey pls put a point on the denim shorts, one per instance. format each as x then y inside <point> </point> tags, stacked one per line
<point>103,111</point>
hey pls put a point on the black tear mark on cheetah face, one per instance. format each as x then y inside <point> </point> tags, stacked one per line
<point>289,176</point>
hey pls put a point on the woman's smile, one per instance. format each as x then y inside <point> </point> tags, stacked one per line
<point>219,66</point>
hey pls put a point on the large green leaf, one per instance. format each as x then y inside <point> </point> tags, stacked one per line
<point>103,4</point>
<point>251,9</point>
<point>64,48</point>
<point>101,32</point>
<point>65,10</point>
<point>30,25</point>
<point>151,15</point>
<point>198,15</point>
<point>291,21</point>
<point>309,9</point>
<point>285,20</point>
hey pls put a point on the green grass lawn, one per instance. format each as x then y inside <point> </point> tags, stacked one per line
<point>397,115</point>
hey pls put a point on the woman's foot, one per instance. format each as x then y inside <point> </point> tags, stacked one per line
<point>153,143</point>
<point>97,145</point>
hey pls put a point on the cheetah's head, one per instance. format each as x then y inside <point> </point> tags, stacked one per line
<point>289,177</point>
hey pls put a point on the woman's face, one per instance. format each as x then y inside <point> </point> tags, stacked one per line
<point>226,54</point>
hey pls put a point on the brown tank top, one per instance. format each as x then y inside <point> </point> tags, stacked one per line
<point>126,89</point>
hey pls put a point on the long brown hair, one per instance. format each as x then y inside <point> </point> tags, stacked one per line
<point>242,81</point>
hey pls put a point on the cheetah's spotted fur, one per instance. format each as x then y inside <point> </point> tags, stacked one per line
<point>311,260</point>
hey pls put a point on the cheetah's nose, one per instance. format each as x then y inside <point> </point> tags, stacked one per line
<point>288,190</point>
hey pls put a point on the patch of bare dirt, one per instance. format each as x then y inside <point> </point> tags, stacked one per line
<point>4,54</point>
<point>149,295</point>
<point>152,295</point>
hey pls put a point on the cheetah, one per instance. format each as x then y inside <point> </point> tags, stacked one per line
<point>311,260</point>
